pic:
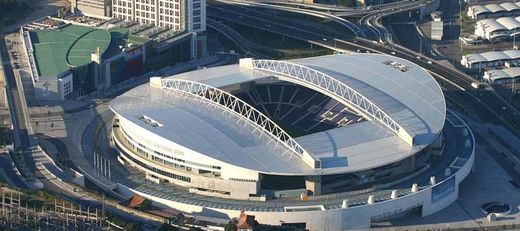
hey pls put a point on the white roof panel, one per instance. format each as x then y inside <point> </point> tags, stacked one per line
<point>490,25</point>
<point>509,6</point>
<point>509,22</point>
<point>478,9</point>
<point>494,8</point>
<point>475,58</point>
<point>494,56</point>
<point>512,54</point>
<point>513,72</point>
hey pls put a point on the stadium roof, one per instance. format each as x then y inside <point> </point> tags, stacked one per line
<point>400,88</point>
<point>56,49</point>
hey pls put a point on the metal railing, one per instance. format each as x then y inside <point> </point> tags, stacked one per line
<point>330,86</point>
<point>238,107</point>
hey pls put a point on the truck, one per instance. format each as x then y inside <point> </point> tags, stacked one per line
<point>477,85</point>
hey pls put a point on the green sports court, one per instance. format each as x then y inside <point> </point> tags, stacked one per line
<point>57,50</point>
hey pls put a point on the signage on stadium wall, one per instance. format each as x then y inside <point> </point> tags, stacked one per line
<point>443,189</point>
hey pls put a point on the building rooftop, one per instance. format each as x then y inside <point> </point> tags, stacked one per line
<point>55,50</point>
<point>492,56</point>
<point>400,88</point>
<point>509,22</point>
<point>490,25</point>
<point>494,8</point>
<point>506,73</point>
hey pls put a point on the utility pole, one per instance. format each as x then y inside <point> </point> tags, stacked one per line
<point>460,27</point>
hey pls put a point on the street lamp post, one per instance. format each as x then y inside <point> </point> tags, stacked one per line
<point>460,25</point>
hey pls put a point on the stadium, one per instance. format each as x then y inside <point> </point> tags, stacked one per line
<point>339,140</point>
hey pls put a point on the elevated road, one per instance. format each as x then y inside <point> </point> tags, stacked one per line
<point>22,132</point>
<point>341,11</point>
<point>356,30</point>
<point>242,43</point>
<point>457,85</point>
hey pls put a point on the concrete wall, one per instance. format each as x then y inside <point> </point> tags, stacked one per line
<point>358,217</point>
<point>49,87</point>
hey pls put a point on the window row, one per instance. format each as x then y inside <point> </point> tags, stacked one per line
<point>159,171</point>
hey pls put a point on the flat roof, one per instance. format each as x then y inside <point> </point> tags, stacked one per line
<point>411,97</point>
<point>56,49</point>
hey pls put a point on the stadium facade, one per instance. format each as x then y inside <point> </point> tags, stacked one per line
<point>301,139</point>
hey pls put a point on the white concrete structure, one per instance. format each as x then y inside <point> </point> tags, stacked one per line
<point>178,15</point>
<point>490,59</point>
<point>494,10</point>
<point>470,40</point>
<point>193,130</point>
<point>93,8</point>
<point>491,29</point>
<point>437,31</point>
<point>502,76</point>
